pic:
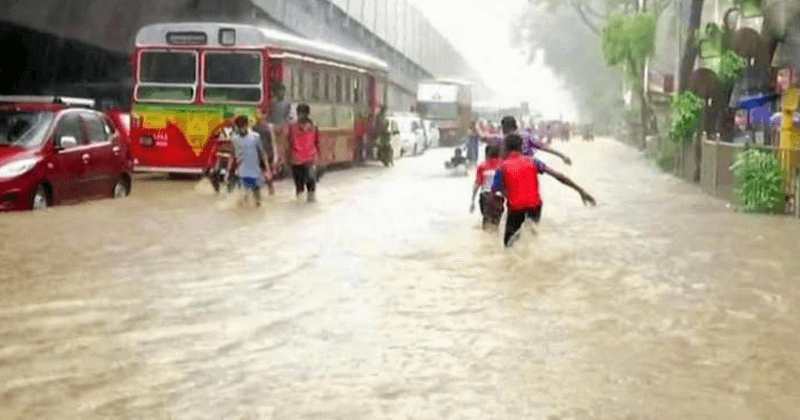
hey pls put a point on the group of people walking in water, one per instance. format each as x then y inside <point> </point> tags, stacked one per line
<point>507,179</point>
<point>256,152</point>
<point>512,181</point>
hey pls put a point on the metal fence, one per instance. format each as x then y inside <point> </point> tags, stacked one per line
<point>717,177</point>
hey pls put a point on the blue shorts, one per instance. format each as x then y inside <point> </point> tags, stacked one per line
<point>250,182</point>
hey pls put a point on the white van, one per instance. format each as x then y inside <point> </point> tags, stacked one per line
<point>411,132</point>
<point>432,131</point>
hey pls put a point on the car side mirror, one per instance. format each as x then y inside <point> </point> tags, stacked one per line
<point>67,142</point>
<point>396,132</point>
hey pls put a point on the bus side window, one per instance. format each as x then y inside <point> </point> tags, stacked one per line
<point>332,84</point>
<point>364,98</point>
<point>347,90</point>
<point>356,91</point>
<point>301,84</point>
<point>338,88</point>
<point>295,84</point>
<point>315,87</point>
<point>327,88</point>
<point>288,76</point>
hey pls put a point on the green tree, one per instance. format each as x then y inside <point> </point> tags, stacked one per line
<point>628,40</point>
<point>595,15</point>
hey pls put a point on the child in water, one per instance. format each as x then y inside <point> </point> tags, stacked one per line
<point>457,159</point>
<point>251,157</point>
<point>491,206</point>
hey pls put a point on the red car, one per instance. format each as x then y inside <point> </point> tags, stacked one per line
<point>57,150</point>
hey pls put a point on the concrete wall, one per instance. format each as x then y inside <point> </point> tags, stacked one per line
<point>392,30</point>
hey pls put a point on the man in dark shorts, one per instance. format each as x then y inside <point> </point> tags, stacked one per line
<point>518,179</point>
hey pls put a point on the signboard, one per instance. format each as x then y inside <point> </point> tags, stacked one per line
<point>187,38</point>
<point>437,93</point>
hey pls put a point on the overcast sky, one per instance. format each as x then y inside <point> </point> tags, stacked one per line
<point>481,31</point>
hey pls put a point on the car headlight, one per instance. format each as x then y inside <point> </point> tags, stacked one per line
<point>18,167</point>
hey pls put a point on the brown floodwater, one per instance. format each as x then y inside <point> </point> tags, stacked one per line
<point>385,300</point>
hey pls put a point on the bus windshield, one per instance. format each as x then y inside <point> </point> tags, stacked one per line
<point>168,67</point>
<point>159,69</point>
<point>438,110</point>
<point>237,76</point>
<point>233,69</point>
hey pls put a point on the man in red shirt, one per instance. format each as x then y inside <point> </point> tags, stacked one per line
<point>483,182</point>
<point>304,152</point>
<point>518,179</point>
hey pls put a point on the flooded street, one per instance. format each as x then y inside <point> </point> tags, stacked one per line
<point>385,300</point>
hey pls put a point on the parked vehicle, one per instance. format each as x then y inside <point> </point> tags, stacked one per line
<point>396,140</point>
<point>432,131</point>
<point>412,133</point>
<point>587,132</point>
<point>56,150</point>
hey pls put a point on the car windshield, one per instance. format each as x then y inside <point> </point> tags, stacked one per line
<point>24,129</point>
<point>438,110</point>
<point>405,125</point>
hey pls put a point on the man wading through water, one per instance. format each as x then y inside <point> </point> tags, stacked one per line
<point>267,133</point>
<point>491,210</point>
<point>304,152</point>
<point>518,180</point>
<point>253,160</point>
<point>385,151</point>
<point>529,143</point>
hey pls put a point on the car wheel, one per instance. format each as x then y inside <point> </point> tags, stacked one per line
<point>120,189</point>
<point>415,150</point>
<point>39,200</point>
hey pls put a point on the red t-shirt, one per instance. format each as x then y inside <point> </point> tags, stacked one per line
<point>304,141</point>
<point>521,182</point>
<point>485,173</point>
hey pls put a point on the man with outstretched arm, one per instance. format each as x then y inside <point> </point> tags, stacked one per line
<point>518,179</point>
<point>529,144</point>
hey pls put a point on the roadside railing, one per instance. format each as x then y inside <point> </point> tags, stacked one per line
<point>717,175</point>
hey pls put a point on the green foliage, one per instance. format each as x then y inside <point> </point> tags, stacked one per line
<point>761,178</point>
<point>664,156</point>
<point>731,67</point>
<point>712,42</point>
<point>628,38</point>
<point>687,111</point>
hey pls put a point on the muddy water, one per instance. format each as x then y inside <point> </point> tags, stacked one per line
<point>384,300</point>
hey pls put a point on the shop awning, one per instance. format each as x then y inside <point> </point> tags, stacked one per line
<point>757,100</point>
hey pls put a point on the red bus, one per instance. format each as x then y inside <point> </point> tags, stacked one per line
<point>191,79</point>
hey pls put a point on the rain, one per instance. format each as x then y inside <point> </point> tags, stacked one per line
<point>141,278</point>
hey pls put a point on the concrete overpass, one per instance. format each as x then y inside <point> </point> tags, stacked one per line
<point>57,42</point>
